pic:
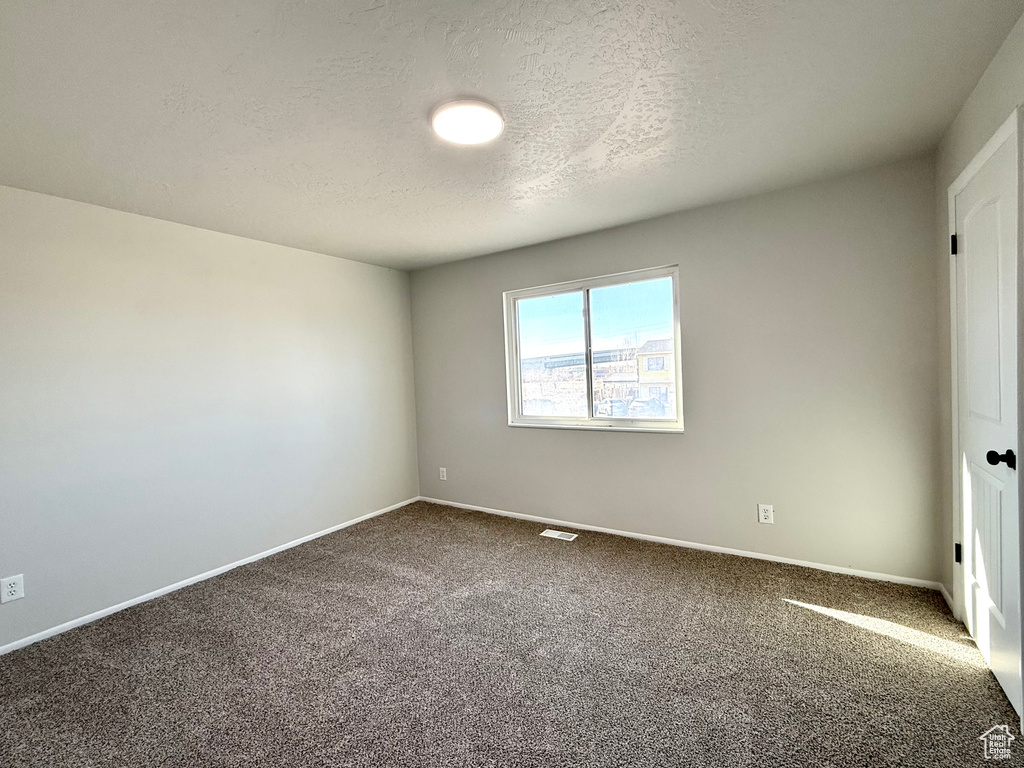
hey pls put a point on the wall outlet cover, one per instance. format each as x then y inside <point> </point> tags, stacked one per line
<point>12,588</point>
<point>766,514</point>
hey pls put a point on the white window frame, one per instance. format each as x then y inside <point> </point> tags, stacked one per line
<point>590,422</point>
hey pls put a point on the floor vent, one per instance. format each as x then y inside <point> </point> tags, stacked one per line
<point>559,535</point>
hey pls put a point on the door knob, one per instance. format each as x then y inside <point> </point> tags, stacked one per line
<point>994,458</point>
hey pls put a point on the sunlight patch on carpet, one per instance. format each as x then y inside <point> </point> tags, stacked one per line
<point>964,653</point>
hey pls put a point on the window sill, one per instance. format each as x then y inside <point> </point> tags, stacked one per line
<point>663,429</point>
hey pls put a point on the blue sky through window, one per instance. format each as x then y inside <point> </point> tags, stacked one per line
<point>550,325</point>
<point>631,311</point>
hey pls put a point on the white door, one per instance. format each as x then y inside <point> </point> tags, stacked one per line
<point>986,283</point>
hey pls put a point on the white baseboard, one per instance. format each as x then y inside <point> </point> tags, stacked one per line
<point>946,596</point>
<point>696,545</point>
<point>186,582</point>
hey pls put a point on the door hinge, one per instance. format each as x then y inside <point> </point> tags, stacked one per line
<point>957,553</point>
<point>952,244</point>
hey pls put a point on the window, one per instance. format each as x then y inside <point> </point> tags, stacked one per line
<point>659,392</point>
<point>601,353</point>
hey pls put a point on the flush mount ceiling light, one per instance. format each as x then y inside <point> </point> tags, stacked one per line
<point>467,121</point>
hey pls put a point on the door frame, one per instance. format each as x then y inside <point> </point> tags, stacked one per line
<point>1012,127</point>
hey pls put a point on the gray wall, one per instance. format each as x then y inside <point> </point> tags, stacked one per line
<point>809,379</point>
<point>998,93</point>
<point>176,399</point>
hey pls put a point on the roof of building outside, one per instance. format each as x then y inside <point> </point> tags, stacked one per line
<point>655,346</point>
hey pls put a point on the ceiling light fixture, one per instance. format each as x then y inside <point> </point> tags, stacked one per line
<point>467,121</point>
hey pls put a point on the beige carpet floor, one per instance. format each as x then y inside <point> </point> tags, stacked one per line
<point>433,636</point>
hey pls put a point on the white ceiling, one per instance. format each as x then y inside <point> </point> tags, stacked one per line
<point>305,123</point>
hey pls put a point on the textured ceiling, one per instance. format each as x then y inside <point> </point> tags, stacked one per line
<point>305,123</point>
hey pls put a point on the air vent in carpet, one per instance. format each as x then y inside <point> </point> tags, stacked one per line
<point>559,535</point>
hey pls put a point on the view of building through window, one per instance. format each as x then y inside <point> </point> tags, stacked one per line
<point>631,326</point>
<point>552,340</point>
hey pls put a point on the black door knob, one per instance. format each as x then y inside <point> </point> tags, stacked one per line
<point>993,458</point>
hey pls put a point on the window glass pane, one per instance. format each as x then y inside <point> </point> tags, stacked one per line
<point>631,327</point>
<point>552,345</point>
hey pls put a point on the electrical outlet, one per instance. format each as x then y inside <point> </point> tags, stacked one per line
<point>444,473</point>
<point>12,588</point>
<point>766,514</point>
